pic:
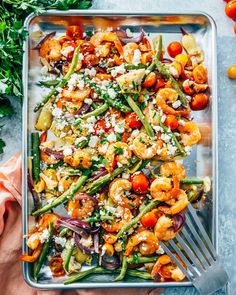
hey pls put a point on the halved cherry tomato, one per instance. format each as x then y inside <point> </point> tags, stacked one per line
<point>165,271</point>
<point>91,60</point>
<point>100,126</point>
<point>159,84</point>
<point>230,9</point>
<point>174,48</point>
<point>140,183</point>
<point>149,219</point>
<point>199,102</point>
<point>150,80</point>
<point>56,266</point>
<point>171,122</point>
<point>125,136</point>
<point>74,32</point>
<point>87,47</point>
<point>133,121</point>
<point>43,137</point>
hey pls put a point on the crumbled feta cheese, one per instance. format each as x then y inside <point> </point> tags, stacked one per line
<point>135,132</point>
<point>176,104</point>
<point>78,140</point>
<point>81,56</point>
<point>160,250</point>
<point>158,129</point>
<point>181,122</point>
<point>60,241</point>
<point>44,236</point>
<point>111,137</point>
<point>88,101</point>
<point>136,57</point>
<point>165,137</point>
<point>91,119</point>
<point>125,175</point>
<point>119,128</point>
<point>90,72</point>
<point>118,70</point>
<point>111,92</point>
<point>80,84</point>
<point>67,152</point>
<point>129,33</point>
<point>61,188</point>
<point>103,149</point>
<point>67,50</point>
<point>171,150</point>
<point>56,112</point>
<point>93,141</point>
<point>163,118</point>
<point>188,149</point>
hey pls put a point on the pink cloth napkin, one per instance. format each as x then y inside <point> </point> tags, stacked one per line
<point>12,281</point>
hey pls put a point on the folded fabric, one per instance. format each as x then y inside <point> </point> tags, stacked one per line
<point>12,281</point>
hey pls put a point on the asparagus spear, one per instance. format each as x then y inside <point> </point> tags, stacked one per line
<point>123,269</point>
<point>35,156</point>
<point>42,257</point>
<point>66,195</point>
<point>68,257</point>
<point>62,82</point>
<point>99,270</point>
<point>140,115</point>
<point>136,219</point>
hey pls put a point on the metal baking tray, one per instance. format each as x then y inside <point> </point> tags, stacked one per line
<point>203,159</point>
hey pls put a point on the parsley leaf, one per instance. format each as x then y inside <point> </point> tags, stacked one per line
<point>118,150</point>
<point>6,108</point>
<point>2,145</point>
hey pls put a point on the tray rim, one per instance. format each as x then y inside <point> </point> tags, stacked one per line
<point>93,12</point>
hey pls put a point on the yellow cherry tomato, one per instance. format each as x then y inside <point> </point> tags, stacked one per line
<point>232,72</point>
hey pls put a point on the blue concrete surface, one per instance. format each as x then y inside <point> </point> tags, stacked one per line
<point>226,42</point>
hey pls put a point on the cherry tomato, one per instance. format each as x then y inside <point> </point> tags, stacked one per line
<point>56,266</point>
<point>227,0</point>
<point>140,183</point>
<point>230,9</point>
<point>159,84</point>
<point>100,126</point>
<point>43,137</point>
<point>91,60</point>
<point>234,28</point>
<point>171,122</point>
<point>87,47</point>
<point>149,219</point>
<point>165,271</point>
<point>125,136</point>
<point>174,48</point>
<point>232,72</point>
<point>74,32</point>
<point>133,121</point>
<point>199,102</point>
<point>150,80</point>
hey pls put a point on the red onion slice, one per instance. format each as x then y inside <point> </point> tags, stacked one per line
<point>167,60</point>
<point>100,173</point>
<point>44,38</point>
<point>179,221</point>
<point>35,195</point>
<point>136,39</point>
<point>96,243</point>
<point>183,31</point>
<point>57,155</point>
<point>84,110</point>
<point>120,33</point>
<point>79,231</point>
<point>110,262</point>
<point>77,222</point>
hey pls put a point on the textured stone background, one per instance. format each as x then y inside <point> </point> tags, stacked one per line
<point>227,118</point>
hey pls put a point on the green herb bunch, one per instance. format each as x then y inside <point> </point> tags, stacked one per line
<point>12,36</point>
